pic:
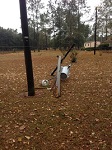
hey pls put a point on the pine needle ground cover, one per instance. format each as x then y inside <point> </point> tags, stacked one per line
<point>79,120</point>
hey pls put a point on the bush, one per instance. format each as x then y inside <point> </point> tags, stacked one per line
<point>73,57</point>
<point>89,49</point>
<point>104,46</point>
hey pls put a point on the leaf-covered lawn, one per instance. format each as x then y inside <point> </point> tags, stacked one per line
<point>79,120</point>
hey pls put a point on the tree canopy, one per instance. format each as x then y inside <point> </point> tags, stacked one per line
<point>59,24</point>
<point>104,19</point>
<point>10,39</point>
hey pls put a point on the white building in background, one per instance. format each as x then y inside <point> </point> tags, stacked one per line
<point>91,44</point>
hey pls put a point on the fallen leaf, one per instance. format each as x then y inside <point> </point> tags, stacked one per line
<point>19,139</point>
<point>27,137</point>
<point>22,127</point>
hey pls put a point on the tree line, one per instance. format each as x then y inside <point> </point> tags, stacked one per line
<point>104,20</point>
<point>10,39</point>
<point>58,24</point>
<point>104,15</point>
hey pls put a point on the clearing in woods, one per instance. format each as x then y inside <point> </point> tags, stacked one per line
<point>78,120</point>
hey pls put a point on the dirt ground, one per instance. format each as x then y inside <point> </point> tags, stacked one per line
<point>78,120</point>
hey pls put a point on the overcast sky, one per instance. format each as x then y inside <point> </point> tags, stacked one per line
<point>10,13</point>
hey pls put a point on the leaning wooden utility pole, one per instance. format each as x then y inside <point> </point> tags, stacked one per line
<point>27,52</point>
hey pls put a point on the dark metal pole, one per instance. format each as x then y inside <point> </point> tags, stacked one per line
<point>78,25</point>
<point>106,27</point>
<point>27,52</point>
<point>95,32</point>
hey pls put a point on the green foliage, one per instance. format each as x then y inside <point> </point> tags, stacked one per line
<point>104,46</point>
<point>104,15</point>
<point>89,49</point>
<point>10,39</point>
<point>60,26</point>
<point>79,40</point>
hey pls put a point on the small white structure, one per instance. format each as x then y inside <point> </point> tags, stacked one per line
<point>91,44</point>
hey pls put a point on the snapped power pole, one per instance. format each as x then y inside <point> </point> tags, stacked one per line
<point>63,58</point>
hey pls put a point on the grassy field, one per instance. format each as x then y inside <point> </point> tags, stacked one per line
<point>79,120</point>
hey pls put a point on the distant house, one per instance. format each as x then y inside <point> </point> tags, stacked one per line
<point>91,44</point>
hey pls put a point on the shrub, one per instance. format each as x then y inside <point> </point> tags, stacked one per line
<point>73,56</point>
<point>104,46</point>
<point>89,49</point>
